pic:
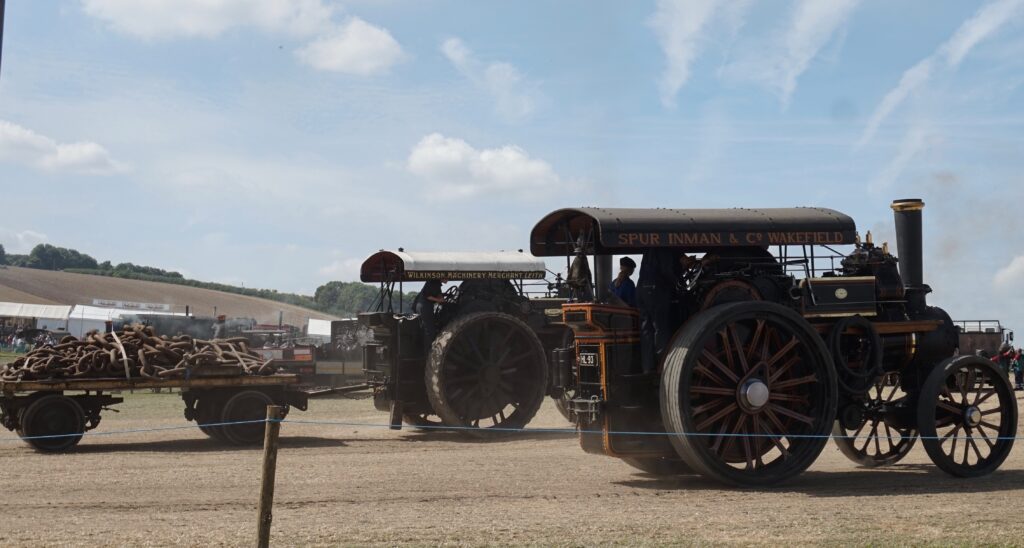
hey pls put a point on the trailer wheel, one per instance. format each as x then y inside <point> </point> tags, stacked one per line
<point>967,415</point>
<point>486,371</point>
<point>873,441</point>
<point>53,415</point>
<point>249,407</point>
<point>208,411</point>
<point>659,466</point>
<point>748,393</point>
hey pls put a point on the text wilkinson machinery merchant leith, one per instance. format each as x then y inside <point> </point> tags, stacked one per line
<point>764,331</point>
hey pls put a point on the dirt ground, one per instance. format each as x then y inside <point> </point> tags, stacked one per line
<point>363,485</point>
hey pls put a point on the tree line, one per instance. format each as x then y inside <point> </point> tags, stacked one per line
<point>337,298</point>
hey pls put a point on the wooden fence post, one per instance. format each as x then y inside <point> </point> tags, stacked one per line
<point>270,443</point>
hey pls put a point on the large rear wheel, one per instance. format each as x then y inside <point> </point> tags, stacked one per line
<point>748,393</point>
<point>486,371</point>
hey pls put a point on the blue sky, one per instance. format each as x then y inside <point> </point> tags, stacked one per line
<point>276,143</point>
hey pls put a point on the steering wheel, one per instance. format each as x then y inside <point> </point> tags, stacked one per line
<point>451,295</point>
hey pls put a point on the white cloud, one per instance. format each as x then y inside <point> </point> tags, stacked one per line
<point>679,26</point>
<point>19,145</point>
<point>20,241</point>
<point>352,47</point>
<point>985,22</point>
<point>779,64</point>
<point>457,170</point>
<point>515,98</point>
<point>163,19</point>
<point>342,269</point>
<point>1011,275</point>
<point>355,47</point>
<point>912,79</point>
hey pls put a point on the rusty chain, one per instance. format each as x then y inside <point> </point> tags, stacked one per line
<point>135,352</point>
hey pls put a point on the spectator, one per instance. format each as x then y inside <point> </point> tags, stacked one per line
<point>1018,369</point>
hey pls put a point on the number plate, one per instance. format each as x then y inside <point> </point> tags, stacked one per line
<point>588,359</point>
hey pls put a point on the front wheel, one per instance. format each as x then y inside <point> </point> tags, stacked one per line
<point>748,393</point>
<point>967,415</point>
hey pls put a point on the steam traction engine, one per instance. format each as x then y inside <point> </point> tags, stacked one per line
<point>778,340</point>
<point>487,367</point>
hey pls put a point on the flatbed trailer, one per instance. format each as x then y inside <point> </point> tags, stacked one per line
<point>52,415</point>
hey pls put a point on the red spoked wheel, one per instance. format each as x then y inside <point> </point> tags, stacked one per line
<point>870,440</point>
<point>748,393</point>
<point>967,415</point>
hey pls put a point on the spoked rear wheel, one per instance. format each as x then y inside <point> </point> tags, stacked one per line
<point>486,371</point>
<point>967,415</point>
<point>748,393</point>
<point>874,442</point>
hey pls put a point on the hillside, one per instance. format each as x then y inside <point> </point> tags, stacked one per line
<point>33,286</point>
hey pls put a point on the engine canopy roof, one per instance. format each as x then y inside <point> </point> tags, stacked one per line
<point>621,230</point>
<point>406,266</point>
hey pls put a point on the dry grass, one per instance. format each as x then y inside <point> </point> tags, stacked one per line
<point>25,285</point>
<point>364,485</point>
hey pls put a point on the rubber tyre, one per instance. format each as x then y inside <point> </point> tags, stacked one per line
<point>248,405</point>
<point>926,417</point>
<point>435,374</point>
<point>52,415</point>
<point>208,411</point>
<point>678,362</point>
<point>659,466</point>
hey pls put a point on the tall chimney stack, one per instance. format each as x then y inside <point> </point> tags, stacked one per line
<point>909,241</point>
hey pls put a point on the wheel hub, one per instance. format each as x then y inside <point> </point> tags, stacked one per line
<point>972,416</point>
<point>754,394</point>
<point>489,377</point>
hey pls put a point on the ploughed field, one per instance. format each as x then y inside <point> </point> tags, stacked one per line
<point>363,485</point>
<point>26,285</point>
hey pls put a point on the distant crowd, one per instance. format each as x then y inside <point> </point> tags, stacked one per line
<point>1011,360</point>
<point>23,340</point>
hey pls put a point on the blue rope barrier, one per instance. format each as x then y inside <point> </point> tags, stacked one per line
<point>572,431</point>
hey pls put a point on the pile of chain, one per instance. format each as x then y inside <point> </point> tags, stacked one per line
<point>139,351</point>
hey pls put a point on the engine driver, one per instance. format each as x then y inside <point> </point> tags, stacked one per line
<point>659,274</point>
<point>429,296</point>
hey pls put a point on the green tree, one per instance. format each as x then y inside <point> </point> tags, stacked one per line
<point>3,255</point>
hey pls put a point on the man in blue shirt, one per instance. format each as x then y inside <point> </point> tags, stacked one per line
<point>622,286</point>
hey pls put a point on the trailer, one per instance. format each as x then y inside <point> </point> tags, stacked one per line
<point>53,415</point>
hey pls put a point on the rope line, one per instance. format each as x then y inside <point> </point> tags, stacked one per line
<point>573,431</point>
